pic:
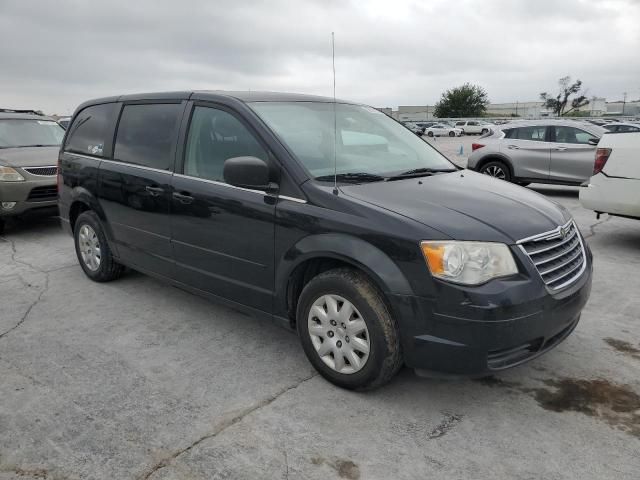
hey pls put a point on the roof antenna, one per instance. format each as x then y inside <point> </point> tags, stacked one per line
<point>335,122</point>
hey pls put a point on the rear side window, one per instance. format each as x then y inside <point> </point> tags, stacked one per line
<point>147,135</point>
<point>536,133</point>
<point>91,130</point>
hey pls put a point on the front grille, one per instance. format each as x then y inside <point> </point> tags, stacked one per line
<point>43,194</point>
<point>42,171</point>
<point>558,255</point>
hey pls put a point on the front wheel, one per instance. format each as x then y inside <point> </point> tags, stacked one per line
<point>496,169</point>
<point>430,134</point>
<point>347,331</point>
<point>452,134</point>
<point>93,251</point>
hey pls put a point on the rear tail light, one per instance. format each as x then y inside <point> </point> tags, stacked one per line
<point>602,155</point>
<point>476,146</point>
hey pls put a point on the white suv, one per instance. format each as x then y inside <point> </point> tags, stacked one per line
<point>474,127</point>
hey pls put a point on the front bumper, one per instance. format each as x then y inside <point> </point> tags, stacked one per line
<point>500,325</point>
<point>31,195</point>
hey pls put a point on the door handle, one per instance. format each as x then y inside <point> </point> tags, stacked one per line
<point>513,147</point>
<point>154,191</point>
<point>560,149</point>
<point>183,198</point>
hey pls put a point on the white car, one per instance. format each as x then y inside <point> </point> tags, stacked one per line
<point>474,127</point>
<point>442,130</point>
<point>614,187</point>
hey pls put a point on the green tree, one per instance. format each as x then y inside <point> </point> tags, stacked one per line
<point>465,101</point>
<point>565,89</point>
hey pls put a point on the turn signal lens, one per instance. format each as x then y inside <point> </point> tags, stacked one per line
<point>469,263</point>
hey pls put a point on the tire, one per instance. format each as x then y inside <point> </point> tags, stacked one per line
<point>2,224</point>
<point>429,134</point>
<point>384,358</point>
<point>91,242</point>
<point>452,134</point>
<point>484,130</point>
<point>496,169</point>
<point>523,184</point>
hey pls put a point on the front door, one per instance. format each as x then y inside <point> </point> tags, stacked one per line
<point>135,186</point>
<point>223,236</point>
<point>572,157</point>
<point>528,151</point>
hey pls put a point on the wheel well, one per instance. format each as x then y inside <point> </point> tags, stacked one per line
<point>74,212</point>
<point>309,269</point>
<point>493,158</point>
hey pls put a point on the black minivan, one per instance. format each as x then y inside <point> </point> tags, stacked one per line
<point>330,217</point>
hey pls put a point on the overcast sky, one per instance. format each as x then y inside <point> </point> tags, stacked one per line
<point>56,54</point>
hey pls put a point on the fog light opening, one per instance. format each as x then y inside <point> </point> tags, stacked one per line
<point>8,205</point>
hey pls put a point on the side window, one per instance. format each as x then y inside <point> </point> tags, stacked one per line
<point>572,135</point>
<point>473,123</point>
<point>215,136</point>
<point>147,135</point>
<point>460,124</point>
<point>535,133</point>
<point>510,133</point>
<point>89,131</point>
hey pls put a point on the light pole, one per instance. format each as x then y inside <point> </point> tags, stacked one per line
<point>624,101</point>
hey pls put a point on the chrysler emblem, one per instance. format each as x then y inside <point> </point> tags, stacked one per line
<point>564,231</point>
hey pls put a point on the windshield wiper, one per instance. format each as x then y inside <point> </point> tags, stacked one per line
<point>352,177</point>
<point>419,172</point>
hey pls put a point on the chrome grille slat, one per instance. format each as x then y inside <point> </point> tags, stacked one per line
<point>558,255</point>
<point>536,252</point>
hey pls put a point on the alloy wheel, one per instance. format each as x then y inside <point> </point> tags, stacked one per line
<point>495,171</point>
<point>89,245</point>
<point>339,334</point>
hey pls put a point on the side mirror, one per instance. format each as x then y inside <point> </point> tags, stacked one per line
<point>248,172</point>
<point>593,141</point>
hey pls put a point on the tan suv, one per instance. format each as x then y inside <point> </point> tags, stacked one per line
<point>29,144</point>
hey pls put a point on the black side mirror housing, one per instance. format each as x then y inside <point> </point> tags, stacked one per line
<point>248,172</point>
<point>593,141</point>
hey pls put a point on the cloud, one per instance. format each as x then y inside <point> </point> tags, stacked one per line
<point>54,55</point>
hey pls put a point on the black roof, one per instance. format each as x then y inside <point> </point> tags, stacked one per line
<point>243,96</point>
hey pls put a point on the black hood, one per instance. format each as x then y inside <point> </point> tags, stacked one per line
<point>466,205</point>
<point>29,156</point>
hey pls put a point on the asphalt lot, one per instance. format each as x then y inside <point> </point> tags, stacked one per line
<point>135,380</point>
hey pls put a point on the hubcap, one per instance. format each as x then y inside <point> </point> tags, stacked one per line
<point>339,334</point>
<point>495,171</point>
<point>89,247</point>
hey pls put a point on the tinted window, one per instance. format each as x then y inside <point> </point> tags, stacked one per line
<point>91,130</point>
<point>146,135</point>
<point>529,133</point>
<point>215,136</point>
<point>628,128</point>
<point>572,135</point>
<point>510,133</point>
<point>472,123</point>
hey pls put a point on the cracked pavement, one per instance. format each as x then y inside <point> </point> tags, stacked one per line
<point>138,380</point>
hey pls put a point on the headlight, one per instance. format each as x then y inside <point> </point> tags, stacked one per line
<point>8,174</point>
<point>469,263</point>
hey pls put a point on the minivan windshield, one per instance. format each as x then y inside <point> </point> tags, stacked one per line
<point>369,146</point>
<point>30,133</point>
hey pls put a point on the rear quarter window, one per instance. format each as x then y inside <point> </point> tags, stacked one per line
<point>91,130</point>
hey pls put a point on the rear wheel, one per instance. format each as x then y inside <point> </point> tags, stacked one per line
<point>484,130</point>
<point>93,251</point>
<point>430,134</point>
<point>496,169</point>
<point>452,133</point>
<point>347,331</point>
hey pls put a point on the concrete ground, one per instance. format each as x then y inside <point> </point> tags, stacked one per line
<point>138,380</point>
